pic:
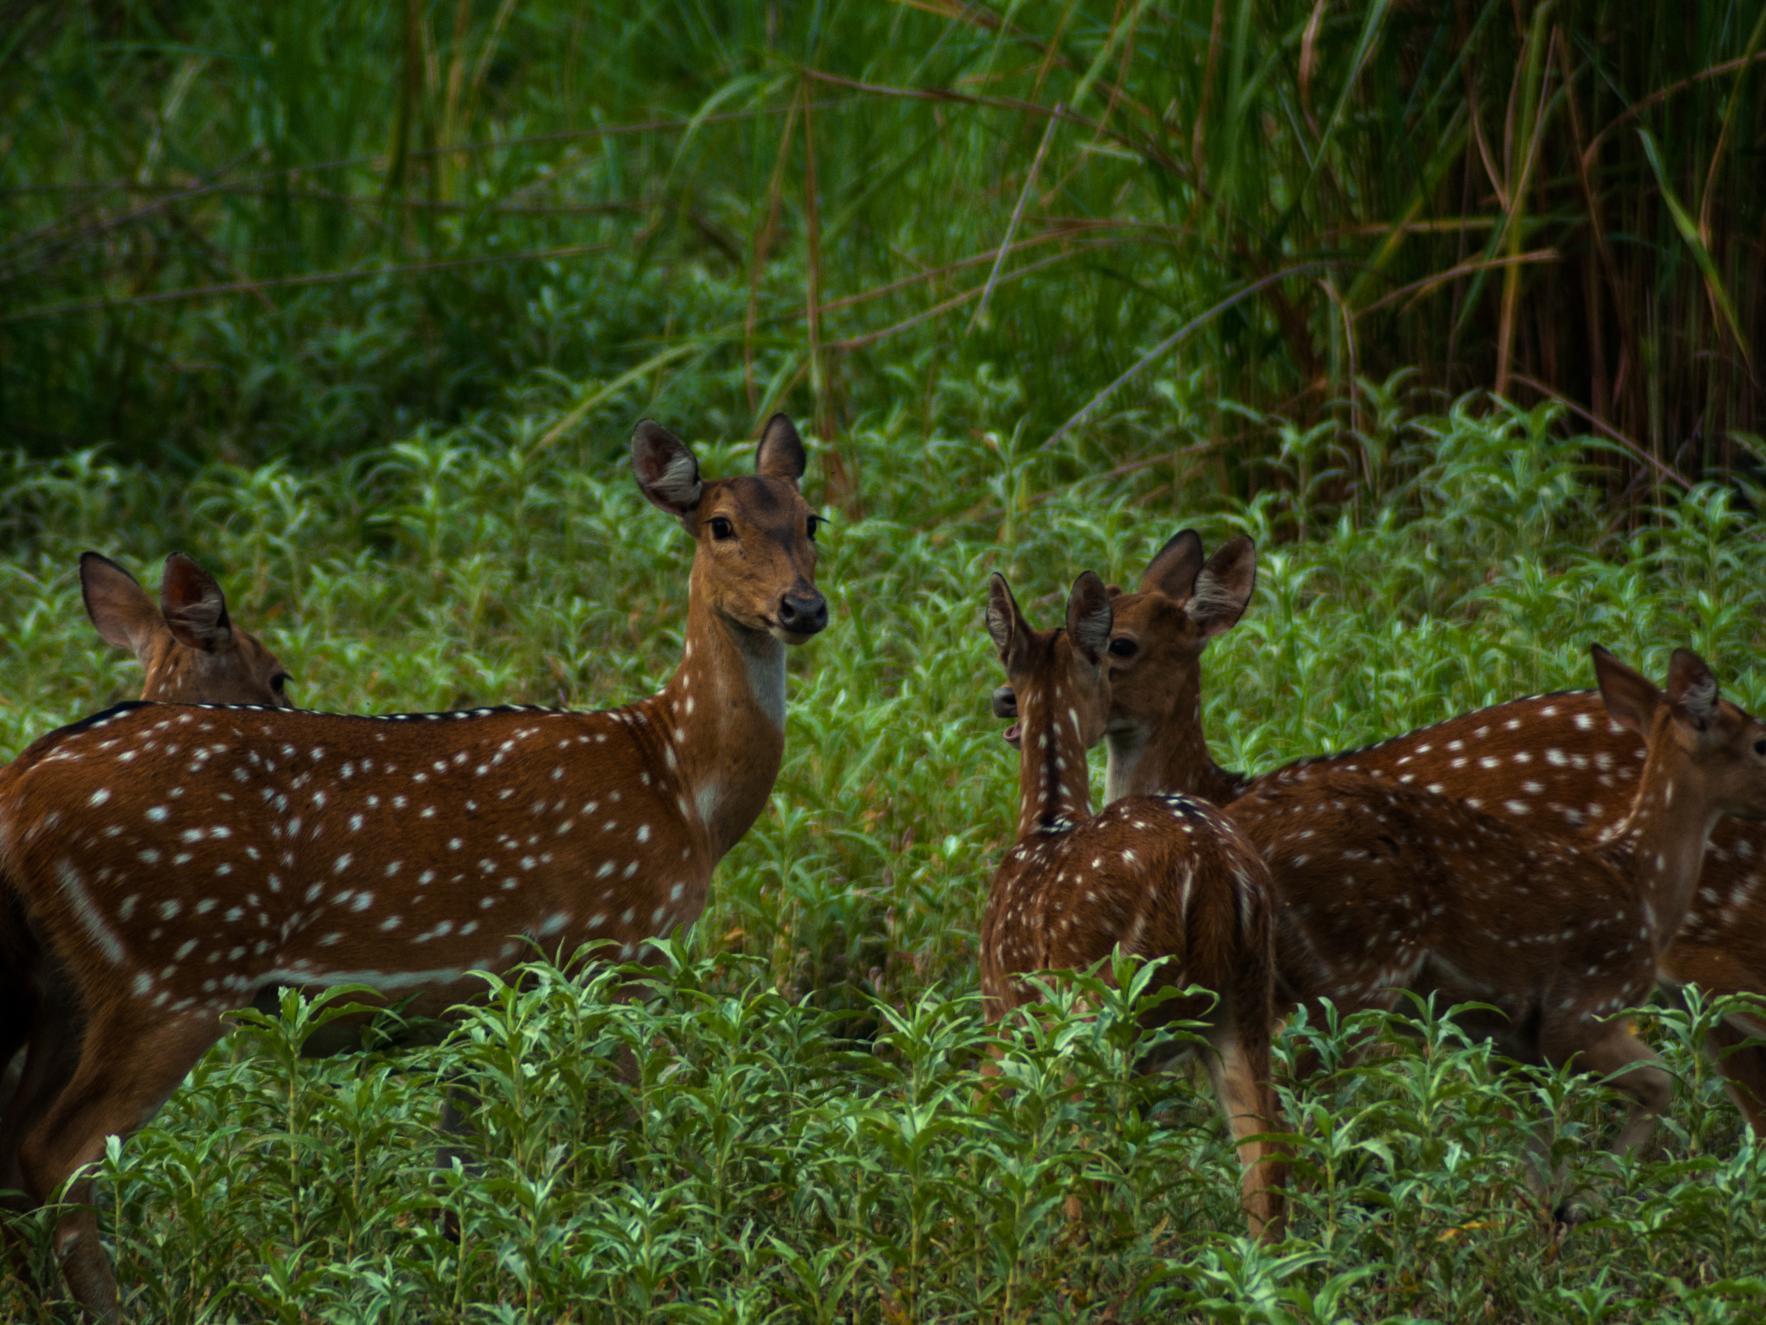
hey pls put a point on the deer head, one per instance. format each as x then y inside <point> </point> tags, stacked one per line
<point>1058,682</point>
<point>1063,667</point>
<point>1181,603</point>
<point>755,559</point>
<point>187,645</point>
<point>1706,745</point>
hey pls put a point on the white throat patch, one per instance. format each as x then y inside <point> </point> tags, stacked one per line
<point>1122,758</point>
<point>763,658</point>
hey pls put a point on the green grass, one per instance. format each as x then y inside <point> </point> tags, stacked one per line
<point>263,230</point>
<point>810,1136</point>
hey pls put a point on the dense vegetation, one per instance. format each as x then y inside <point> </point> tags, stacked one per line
<point>358,304</point>
<point>289,228</point>
<point>810,1138</point>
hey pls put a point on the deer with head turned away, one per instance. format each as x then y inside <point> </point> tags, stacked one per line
<point>190,653</point>
<point>1386,887</point>
<point>177,863</point>
<point>1560,762</point>
<point>1154,876</point>
<point>188,647</point>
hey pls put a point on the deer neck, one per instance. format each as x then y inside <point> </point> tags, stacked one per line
<point>725,706</point>
<point>1053,783</point>
<point>1664,837</point>
<point>1171,754</point>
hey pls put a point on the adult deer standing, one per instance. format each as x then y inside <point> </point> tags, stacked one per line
<point>1558,761</point>
<point>1156,876</point>
<point>1386,887</point>
<point>190,653</point>
<point>178,862</point>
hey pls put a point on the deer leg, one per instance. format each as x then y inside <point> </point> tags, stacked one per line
<point>51,1053</point>
<point>17,1012</point>
<point>129,1063</point>
<point>17,997</point>
<point>14,1091</point>
<point>455,1103</point>
<point>1631,1066</point>
<point>453,1131</point>
<point>1743,1065</point>
<point>12,1037</point>
<point>1634,1069</point>
<point>50,1057</point>
<point>1239,1067</point>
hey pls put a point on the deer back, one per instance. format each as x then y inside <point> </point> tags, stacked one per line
<point>1555,761</point>
<point>200,854</point>
<point>1159,876</point>
<point>1383,887</point>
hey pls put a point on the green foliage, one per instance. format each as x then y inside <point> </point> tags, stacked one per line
<point>257,230</point>
<point>793,1121</point>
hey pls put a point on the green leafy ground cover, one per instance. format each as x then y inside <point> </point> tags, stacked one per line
<point>809,1138</point>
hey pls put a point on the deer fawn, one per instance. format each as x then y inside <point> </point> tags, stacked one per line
<point>1559,762</point>
<point>1157,876</point>
<point>190,653</point>
<point>177,862</point>
<point>1386,887</point>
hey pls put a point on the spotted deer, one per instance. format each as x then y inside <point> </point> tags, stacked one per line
<point>179,862</point>
<point>1156,876</point>
<point>1557,761</point>
<point>190,652</point>
<point>1386,887</point>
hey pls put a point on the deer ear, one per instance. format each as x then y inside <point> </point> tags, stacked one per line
<point>193,605</point>
<point>668,474</point>
<point>1089,616</point>
<point>1224,586</point>
<point>1629,695</point>
<point>116,602</point>
<point>1692,688</point>
<point>1005,623</point>
<point>1175,566</point>
<point>780,453</point>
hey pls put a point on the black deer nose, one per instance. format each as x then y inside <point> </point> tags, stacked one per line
<point>1005,703</point>
<point>803,613</point>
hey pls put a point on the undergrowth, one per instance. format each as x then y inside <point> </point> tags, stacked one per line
<point>807,1133</point>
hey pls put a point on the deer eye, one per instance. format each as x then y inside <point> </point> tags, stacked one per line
<point>815,523</point>
<point>1123,647</point>
<point>1760,747</point>
<point>721,529</point>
